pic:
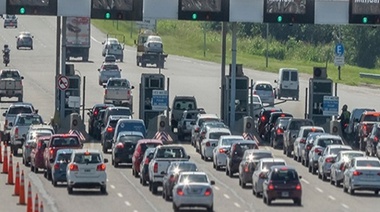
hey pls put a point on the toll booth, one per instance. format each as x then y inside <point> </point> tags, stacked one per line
<point>150,83</point>
<point>73,92</point>
<point>241,97</point>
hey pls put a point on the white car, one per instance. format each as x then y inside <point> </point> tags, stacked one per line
<point>193,189</point>
<point>264,89</point>
<point>261,171</point>
<point>254,105</point>
<point>108,71</point>
<point>300,142</point>
<point>154,44</point>
<point>340,165</point>
<point>211,140</point>
<point>87,169</point>
<point>219,157</point>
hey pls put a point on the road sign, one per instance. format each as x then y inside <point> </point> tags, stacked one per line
<point>160,100</point>
<point>339,60</point>
<point>339,49</point>
<point>330,105</point>
<point>146,24</point>
<point>74,101</point>
<point>63,83</point>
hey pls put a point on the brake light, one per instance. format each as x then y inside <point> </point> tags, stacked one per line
<point>73,167</point>
<point>207,144</point>
<point>208,192</point>
<point>279,131</point>
<point>317,150</point>
<point>255,92</point>
<point>303,140</point>
<point>262,175</point>
<point>101,167</point>
<point>180,192</point>
<point>146,162</point>
<point>375,139</point>
<point>56,166</point>
<point>271,187</point>
<point>262,118</point>
<point>246,168</point>
<point>298,187</point>
<point>342,167</point>
<point>109,129</point>
<point>16,131</point>
<point>329,160</point>
<point>39,145</point>
<point>356,173</point>
<point>51,151</point>
<point>120,146</point>
<point>96,112</point>
<point>364,127</point>
<point>155,167</point>
<point>221,150</point>
<point>284,169</point>
<point>172,178</point>
<point>196,129</point>
<point>308,147</point>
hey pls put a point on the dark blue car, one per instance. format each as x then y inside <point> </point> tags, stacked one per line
<point>61,160</point>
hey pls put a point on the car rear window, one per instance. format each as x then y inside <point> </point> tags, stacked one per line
<point>335,151</point>
<point>64,157</point>
<point>10,74</point>
<point>110,67</point>
<point>294,76</point>
<point>240,148</point>
<point>276,116</point>
<point>367,163</point>
<point>145,146</point>
<point>28,120</point>
<point>90,158</point>
<point>264,87</point>
<point>374,118</point>
<point>184,105</point>
<point>296,125</point>
<point>217,135</point>
<point>349,156</point>
<point>40,134</point>
<point>267,165</point>
<point>119,83</point>
<point>120,111</point>
<point>285,75</point>
<point>201,121</point>
<point>307,131</point>
<point>184,167</point>
<point>259,155</point>
<point>171,153</point>
<point>284,175</point>
<point>20,109</point>
<point>325,142</point>
<point>61,141</point>
<point>130,138</point>
<point>193,178</point>
<point>229,142</point>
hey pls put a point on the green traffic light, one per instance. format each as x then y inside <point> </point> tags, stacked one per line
<point>108,15</point>
<point>279,18</point>
<point>194,16</point>
<point>22,10</point>
<point>365,20</point>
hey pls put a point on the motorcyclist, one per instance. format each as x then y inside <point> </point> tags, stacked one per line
<point>344,120</point>
<point>6,52</point>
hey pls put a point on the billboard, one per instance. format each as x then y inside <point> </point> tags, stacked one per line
<point>204,10</point>
<point>286,6</point>
<point>289,11</point>
<point>117,9</point>
<point>124,5</point>
<point>364,12</point>
<point>201,5</point>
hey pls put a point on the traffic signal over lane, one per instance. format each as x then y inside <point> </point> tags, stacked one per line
<point>204,10</point>
<point>364,12</point>
<point>290,12</point>
<point>119,10</point>
<point>32,7</point>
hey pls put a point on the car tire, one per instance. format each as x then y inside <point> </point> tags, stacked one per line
<point>175,208</point>
<point>54,183</point>
<point>210,209</point>
<point>167,197</point>
<point>297,202</point>
<point>351,190</point>
<point>230,174</point>
<point>103,189</point>
<point>136,174</point>
<point>344,187</point>
<point>324,177</point>
<point>31,167</point>
<point>257,194</point>
<point>35,169</point>
<point>105,150</point>
<point>227,173</point>
<point>154,188</point>
<point>143,182</point>
<point>69,189</point>
<point>337,183</point>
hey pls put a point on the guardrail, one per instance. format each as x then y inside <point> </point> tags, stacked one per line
<point>369,75</point>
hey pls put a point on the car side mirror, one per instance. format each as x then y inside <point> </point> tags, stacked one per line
<point>51,160</point>
<point>105,160</point>
<point>212,182</point>
<point>257,116</point>
<point>10,124</point>
<point>16,36</point>
<point>275,81</point>
<point>104,86</point>
<point>294,136</point>
<point>4,114</point>
<point>88,113</point>
<point>22,77</point>
<point>188,157</point>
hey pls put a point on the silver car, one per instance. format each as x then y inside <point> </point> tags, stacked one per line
<point>107,71</point>
<point>30,143</point>
<point>211,140</point>
<point>340,165</point>
<point>327,159</point>
<point>193,189</point>
<point>154,44</point>
<point>300,142</point>
<point>261,171</point>
<point>362,174</point>
<point>219,157</point>
<point>249,162</point>
<point>264,89</point>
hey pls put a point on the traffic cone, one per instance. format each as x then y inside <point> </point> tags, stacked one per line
<point>21,200</point>
<point>17,183</point>
<point>29,204</point>
<point>41,207</point>
<point>10,170</point>
<point>1,153</point>
<point>5,160</point>
<point>36,204</point>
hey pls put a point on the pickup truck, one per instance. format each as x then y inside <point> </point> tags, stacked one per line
<point>10,116</point>
<point>180,104</point>
<point>118,92</point>
<point>11,84</point>
<point>20,129</point>
<point>366,122</point>
<point>184,124</point>
<point>162,157</point>
<point>56,142</point>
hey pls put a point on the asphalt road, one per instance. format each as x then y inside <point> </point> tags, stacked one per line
<point>187,77</point>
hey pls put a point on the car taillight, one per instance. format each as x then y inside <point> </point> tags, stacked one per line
<point>39,145</point>
<point>51,151</point>
<point>208,144</point>
<point>208,192</point>
<point>120,146</point>
<point>73,167</point>
<point>356,173</point>
<point>254,92</point>
<point>16,131</point>
<point>180,192</point>
<point>270,187</point>
<point>96,112</point>
<point>375,139</point>
<point>365,128</point>
<point>221,150</point>
<point>279,131</point>
<point>308,147</point>
<point>146,162</point>
<point>329,160</point>
<point>317,150</point>
<point>342,167</point>
<point>109,129</point>
<point>246,167</point>
<point>298,187</point>
<point>101,167</point>
<point>56,166</point>
<point>262,175</point>
<point>302,141</point>
<point>172,178</point>
<point>196,129</point>
<point>155,167</point>
<point>262,118</point>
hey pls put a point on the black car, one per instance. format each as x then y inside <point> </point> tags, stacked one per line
<point>171,176</point>
<point>277,132</point>
<point>107,132</point>
<point>372,141</point>
<point>263,118</point>
<point>272,120</point>
<point>124,147</point>
<point>93,114</point>
<point>235,155</point>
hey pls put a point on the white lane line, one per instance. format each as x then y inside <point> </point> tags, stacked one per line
<point>135,211</point>
<point>94,39</point>
<point>237,204</point>
<point>331,197</point>
<point>217,188</point>
<point>112,186</point>
<point>107,180</point>
<point>120,194</point>
<point>318,189</point>
<point>226,196</point>
<point>127,203</point>
<point>345,206</point>
<point>305,181</point>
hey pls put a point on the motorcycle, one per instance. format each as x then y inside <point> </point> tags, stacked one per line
<point>6,59</point>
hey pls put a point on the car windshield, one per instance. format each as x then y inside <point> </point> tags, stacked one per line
<point>10,74</point>
<point>86,158</point>
<point>110,67</point>
<point>283,122</point>
<point>324,142</point>
<point>335,151</point>
<point>264,87</point>
<point>229,142</point>
<point>28,120</point>
<point>64,157</point>
<point>120,111</point>
<point>202,121</point>
<point>284,175</point>
<point>154,38</point>
<point>170,153</point>
<point>267,165</point>
<point>307,131</point>
<point>367,163</point>
<point>20,109</point>
<point>114,46</point>
<point>240,149</point>
<point>62,141</point>
<point>119,83</point>
<point>374,118</point>
<point>184,105</point>
<point>217,135</point>
<point>193,178</point>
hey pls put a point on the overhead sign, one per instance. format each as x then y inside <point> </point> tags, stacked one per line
<point>289,11</point>
<point>204,10</point>
<point>364,12</point>
<point>63,83</point>
<point>74,101</point>
<point>32,7</point>
<point>160,100</point>
<point>117,10</point>
<point>330,105</point>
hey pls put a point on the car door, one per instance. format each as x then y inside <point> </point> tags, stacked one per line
<point>322,158</point>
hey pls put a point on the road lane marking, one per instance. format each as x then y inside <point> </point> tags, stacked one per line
<point>237,204</point>
<point>331,197</point>
<point>135,211</point>
<point>226,196</point>
<point>217,188</point>
<point>127,203</point>
<point>318,189</point>
<point>112,186</point>
<point>139,192</point>
<point>345,206</point>
<point>120,194</point>
<point>49,200</point>
<point>305,181</point>
<point>94,39</point>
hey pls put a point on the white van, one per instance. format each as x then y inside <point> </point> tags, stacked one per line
<point>287,83</point>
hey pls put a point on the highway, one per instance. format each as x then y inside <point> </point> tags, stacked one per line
<point>187,77</point>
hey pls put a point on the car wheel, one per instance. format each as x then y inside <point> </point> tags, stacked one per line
<point>45,173</point>
<point>143,181</point>
<point>103,189</point>
<point>324,177</point>
<point>337,183</point>
<point>167,197</point>
<point>210,209</point>
<point>35,169</point>
<point>54,183</point>
<point>256,192</point>
<point>69,189</point>
<point>49,175</point>
<point>331,180</point>
<point>105,150</point>
<point>154,188</point>
<point>230,174</point>
<point>227,172</point>
<point>136,174</point>
<point>344,186</point>
<point>31,168</point>
<point>297,201</point>
<point>175,208</point>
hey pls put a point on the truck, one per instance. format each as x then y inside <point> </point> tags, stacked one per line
<point>149,49</point>
<point>78,37</point>
<point>11,84</point>
<point>162,157</point>
<point>118,92</point>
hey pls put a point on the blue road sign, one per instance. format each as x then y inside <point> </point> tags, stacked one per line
<point>330,106</point>
<point>160,100</point>
<point>339,49</point>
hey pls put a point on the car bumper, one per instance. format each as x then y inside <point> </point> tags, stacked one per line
<point>221,159</point>
<point>123,158</point>
<point>326,169</point>
<point>365,185</point>
<point>59,176</point>
<point>193,201</point>
<point>246,177</point>
<point>208,152</point>
<point>289,92</point>
<point>11,93</point>
<point>86,182</point>
<point>339,175</point>
<point>284,194</point>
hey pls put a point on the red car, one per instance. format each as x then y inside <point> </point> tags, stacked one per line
<point>138,155</point>
<point>37,154</point>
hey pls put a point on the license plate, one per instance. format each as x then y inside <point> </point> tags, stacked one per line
<point>87,170</point>
<point>285,194</point>
<point>196,190</point>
